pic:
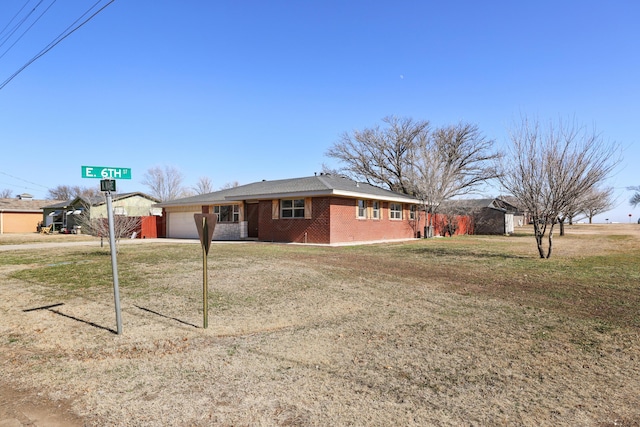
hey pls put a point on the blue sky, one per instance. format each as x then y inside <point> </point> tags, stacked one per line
<point>251,90</point>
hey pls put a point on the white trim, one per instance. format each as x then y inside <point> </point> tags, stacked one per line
<point>303,194</point>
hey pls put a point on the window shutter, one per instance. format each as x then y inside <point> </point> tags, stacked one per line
<point>307,208</point>
<point>275,209</point>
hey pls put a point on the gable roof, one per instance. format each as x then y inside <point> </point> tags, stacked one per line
<point>98,200</point>
<point>319,185</point>
<point>496,203</point>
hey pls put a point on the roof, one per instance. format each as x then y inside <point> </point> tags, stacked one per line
<point>23,205</point>
<point>496,203</point>
<point>98,200</point>
<point>319,185</point>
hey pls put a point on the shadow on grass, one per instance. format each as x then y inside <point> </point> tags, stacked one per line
<point>166,317</point>
<point>68,316</point>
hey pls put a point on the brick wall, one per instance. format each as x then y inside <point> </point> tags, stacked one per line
<point>298,230</point>
<point>333,220</point>
<point>345,227</point>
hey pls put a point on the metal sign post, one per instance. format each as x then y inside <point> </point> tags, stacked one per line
<point>112,245</point>
<point>205,223</point>
<point>108,184</point>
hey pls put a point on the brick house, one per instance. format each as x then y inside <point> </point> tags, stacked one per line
<point>323,209</point>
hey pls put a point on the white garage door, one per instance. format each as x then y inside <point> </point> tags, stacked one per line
<point>181,225</point>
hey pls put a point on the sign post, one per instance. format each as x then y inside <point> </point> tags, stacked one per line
<point>114,260</point>
<point>107,177</point>
<point>205,223</point>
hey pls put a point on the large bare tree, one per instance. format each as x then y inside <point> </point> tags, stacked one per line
<point>381,155</point>
<point>6,193</point>
<point>549,168</point>
<point>450,162</point>
<point>164,183</point>
<point>68,192</point>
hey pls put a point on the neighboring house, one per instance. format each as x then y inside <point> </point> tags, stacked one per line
<point>62,215</point>
<point>490,216</point>
<point>318,209</point>
<point>21,214</point>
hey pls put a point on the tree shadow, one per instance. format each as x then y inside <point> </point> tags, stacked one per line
<point>166,317</point>
<point>68,316</point>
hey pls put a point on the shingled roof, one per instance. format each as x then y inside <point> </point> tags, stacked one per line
<point>319,185</point>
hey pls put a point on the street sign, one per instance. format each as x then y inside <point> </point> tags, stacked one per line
<point>104,172</point>
<point>107,185</point>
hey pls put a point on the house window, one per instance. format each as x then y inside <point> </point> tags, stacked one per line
<point>292,208</point>
<point>227,213</point>
<point>375,210</point>
<point>395,211</point>
<point>362,209</point>
<point>413,212</point>
<point>119,210</point>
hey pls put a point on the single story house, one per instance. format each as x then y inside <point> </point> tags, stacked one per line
<point>21,214</point>
<point>324,209</point>
<point>61,215</point>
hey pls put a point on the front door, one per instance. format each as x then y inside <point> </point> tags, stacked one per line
<point>252,219</point>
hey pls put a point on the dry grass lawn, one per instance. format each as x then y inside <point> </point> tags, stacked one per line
<point>472,330</point>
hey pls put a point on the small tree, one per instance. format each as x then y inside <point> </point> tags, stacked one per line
<point>123,226</point>
<point>549,169</point>
<point>6,193</point>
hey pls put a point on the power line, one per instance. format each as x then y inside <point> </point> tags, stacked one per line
<point>24,180</point>
<point>66,33</point>
<point>15,16</point>
<point>25,31</point>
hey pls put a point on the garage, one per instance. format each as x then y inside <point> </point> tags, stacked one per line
<point>181,225</point>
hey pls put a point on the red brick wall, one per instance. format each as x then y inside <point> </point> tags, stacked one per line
<point>298,230</point>
<point>333,220</point>
<point>345,227</point>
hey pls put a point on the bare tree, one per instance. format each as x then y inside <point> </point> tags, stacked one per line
<point>123,226</point>
<point>68,192</point>
<point>164,183</point>
<point>549,169</point>
<point>451,162</point>
<point>6,193</point>
<point>203,186</point>
<point>232,184</point>
<point>597,201</point>
<point>381,155</point>
<point>590,204</point>
<point>635,199</point>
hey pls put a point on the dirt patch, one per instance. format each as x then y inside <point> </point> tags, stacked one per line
<point>18,408</point>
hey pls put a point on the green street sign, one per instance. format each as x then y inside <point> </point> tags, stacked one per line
<point>104,172</point>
